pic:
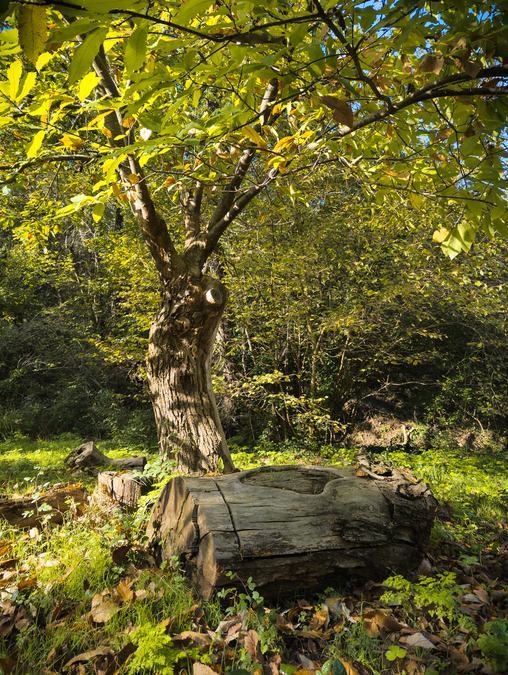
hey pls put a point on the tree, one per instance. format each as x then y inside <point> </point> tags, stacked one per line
<point>199,106</point>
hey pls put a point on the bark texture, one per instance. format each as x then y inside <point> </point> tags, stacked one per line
<point>179,354</point>
<point>293,527</point>
<point>87,458</point>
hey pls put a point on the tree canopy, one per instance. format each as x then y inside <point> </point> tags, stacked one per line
<point>210,102</point>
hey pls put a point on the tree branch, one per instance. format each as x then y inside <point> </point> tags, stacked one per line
<point>49,159</point>
<point>426,94</point>
<point>254,36</point>
<point>223,214</point>
<point>352,52</point>
<point>152,224</point>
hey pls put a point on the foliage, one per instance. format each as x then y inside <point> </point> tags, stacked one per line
<point>415,105</point>
<point>437,596</point>
<point>334,321</point>
<point>494,644</point>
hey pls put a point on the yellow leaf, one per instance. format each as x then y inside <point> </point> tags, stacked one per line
<point>440,235</point>
<point>35,144</point>
<point>169,181</point>
<point>72,142</point>
<point>14,73</point>
<point>254,136</point>
<point>87,85</point>
<point>133,178</point>
<point>416,200</point>
<point>284,144</point>
<point>98,211</point>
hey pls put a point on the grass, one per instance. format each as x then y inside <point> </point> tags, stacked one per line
<point>61,569</point>
<point>26,463</point>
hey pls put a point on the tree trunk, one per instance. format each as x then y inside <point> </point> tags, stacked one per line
<point>178,365</point>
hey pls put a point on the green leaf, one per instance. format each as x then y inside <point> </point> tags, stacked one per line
<point>333,667</point>
<point>135,50</point>
<point>190,9</point>
<point>79,27</point>
<point>86,53</point>
<point>33,31</point>
<point>35,144</point>
<point>98,211</point>
<point>395,652</point>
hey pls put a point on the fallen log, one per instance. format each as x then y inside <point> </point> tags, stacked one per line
<point>119,489</point>
<point>47,506</point>
<point>292,527</point>
<point>88,458</point>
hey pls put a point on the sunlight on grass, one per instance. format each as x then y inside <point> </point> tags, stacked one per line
<point>26,463</point>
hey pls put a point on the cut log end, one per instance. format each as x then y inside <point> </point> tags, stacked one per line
<point>293,527</point>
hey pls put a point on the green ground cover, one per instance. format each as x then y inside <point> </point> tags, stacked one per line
<point>88,589</point>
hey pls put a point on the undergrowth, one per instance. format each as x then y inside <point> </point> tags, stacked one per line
<point>60,571</point>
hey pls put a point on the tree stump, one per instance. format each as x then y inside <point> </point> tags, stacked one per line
<point>293,527</point>
<point>86,457</point>
<point>120,489</point>
<point>28,512</point>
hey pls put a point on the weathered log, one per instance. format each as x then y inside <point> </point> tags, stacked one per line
<point>88,458</point>
<point>29,511</point>
<point>293,527</point>
<point>120,489</point>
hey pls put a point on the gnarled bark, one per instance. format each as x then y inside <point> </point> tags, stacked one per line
<point>179,353</point>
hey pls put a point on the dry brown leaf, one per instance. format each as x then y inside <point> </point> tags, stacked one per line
<point>482,594</point>
<point>306,663</point>
<point>342,111</point>
<point>103,608</point>
<point>432,63</point>
<point>202,669</point>
<point>379,622</point>
<point>252,646</point>
<point>320,619</point>
<point>273,665</point>
<point>417,640</point>
<point>124,590</point>
<point>233,632</point>
<point>349,668</point>
<point>8,564</point>
<point>193,637</point>
<point>5,547</point>
<point>89,656</point>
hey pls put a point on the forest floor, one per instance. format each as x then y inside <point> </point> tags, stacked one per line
<point>84,596</point>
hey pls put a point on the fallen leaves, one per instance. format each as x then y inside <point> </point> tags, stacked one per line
<point>378,622</point>
<point>417,640</point>
<point>107,603</point>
